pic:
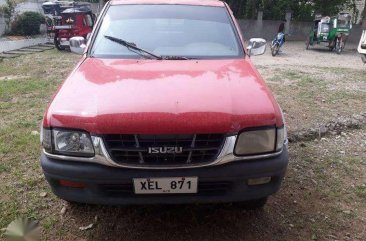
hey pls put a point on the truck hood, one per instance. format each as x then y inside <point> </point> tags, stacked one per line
<point>110,96</point>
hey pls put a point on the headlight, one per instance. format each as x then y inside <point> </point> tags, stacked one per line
<point>67,142</point>
<point>46,141</point>
<point>281,138</point>
<point>256,142</point>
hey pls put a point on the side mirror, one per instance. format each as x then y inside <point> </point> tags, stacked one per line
<point>77,45</point>
<point>257,46</point>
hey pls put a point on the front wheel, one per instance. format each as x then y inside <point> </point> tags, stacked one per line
<point>363,57</point>
<point>339,46</point>
<point>275,49</point>
<point>58,44</point>
<point>307,44</point>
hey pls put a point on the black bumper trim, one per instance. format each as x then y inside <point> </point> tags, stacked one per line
<point>96,176</point>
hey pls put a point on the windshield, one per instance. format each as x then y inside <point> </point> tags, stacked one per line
<point>325,28</point>
<point>68,19</point>
<point>344,20</point>
<point>168,30</point>
<point>342,23</point>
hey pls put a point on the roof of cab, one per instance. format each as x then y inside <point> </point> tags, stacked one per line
<point>215,3</point>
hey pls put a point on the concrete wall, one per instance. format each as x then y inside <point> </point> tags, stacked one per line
<point>17,44</point>
<point>299,31</point>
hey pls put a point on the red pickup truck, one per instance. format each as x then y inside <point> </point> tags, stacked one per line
<point>165,106</point>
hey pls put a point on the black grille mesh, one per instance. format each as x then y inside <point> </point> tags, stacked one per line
<point>134,149</point>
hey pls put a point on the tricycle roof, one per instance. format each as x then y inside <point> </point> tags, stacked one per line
<point>344,16</point>
<point>76,10</point>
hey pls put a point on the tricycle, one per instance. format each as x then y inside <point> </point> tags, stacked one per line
<point>331,30</point>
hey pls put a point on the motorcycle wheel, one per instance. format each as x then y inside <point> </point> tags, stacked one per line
<point>363,57</point>
<point>58,45</point>
<point>339,47</point>
<point>275,49</point>
<point>307,44</point>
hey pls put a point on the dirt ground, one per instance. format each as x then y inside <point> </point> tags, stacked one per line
<point>323,196</point>
<point>294,53</point>
<point>315,86</point>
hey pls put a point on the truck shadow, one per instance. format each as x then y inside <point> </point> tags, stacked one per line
<point>179,222</point>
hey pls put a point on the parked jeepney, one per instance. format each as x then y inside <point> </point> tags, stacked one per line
<point>66,20</point>
<point>77,21</point>
<point>331,30</point>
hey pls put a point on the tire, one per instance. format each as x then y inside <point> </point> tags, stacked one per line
<point>363,57</point>
<point>307,44</point>
<point>339,46</point>
<point>256,204</point>
<point>58,45</point>
<point>275,48</point>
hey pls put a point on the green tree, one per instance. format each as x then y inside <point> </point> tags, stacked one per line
<point>27,23</point>
<point>332,7</point>
<point>251,9</point>
<point>238,7</point>
<point>8,11</point>
<point>302,10</point>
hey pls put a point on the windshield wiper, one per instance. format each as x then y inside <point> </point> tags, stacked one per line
<point>132,46</point>
<point>175,58</point>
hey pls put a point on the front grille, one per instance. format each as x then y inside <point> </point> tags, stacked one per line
<point>164,150</point>
<point>204,188</point>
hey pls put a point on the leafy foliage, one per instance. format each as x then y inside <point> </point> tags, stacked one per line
<point>303,10</point>
<point>27,23</point>
<point>8,11</point>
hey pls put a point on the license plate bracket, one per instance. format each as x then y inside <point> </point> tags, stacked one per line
<point>165,185</point>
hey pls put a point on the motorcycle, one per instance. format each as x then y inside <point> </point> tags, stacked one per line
<point>362,46</point>
<point>277,43</point>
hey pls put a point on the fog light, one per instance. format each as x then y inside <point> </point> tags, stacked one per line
<point>72,184</point>
<point>259,181</point>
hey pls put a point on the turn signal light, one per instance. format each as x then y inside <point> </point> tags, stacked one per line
<point>259,181</point>
<point>72,184</point>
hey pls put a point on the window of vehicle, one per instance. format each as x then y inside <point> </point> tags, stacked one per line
<point>343,23</point>
<point>88,21</point>
<point>325,28</point>
<point>168,30</point>
<point>68,19</point>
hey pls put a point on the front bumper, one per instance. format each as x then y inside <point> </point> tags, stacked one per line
<point>110,185</point>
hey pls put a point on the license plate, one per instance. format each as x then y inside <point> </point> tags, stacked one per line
<point>164,185</point>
